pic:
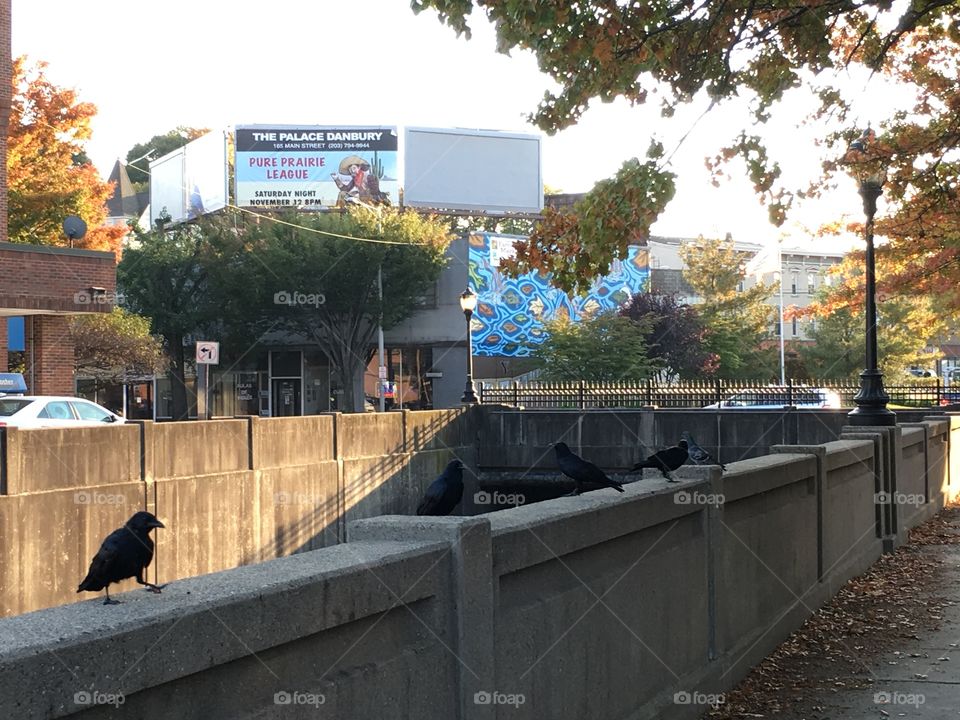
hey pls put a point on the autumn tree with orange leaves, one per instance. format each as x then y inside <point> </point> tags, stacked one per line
<point>758,52</point>
<point>48,176</point>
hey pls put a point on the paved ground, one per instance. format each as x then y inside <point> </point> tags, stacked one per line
<point>888,646</point>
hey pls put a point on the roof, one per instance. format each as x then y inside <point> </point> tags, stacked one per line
<point>125,201</point>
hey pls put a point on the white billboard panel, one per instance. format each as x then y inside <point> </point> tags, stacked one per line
<point>166,188</point>
<point>458,169</point>
<point>315,166</point>
<point>205,174</point>
<point>191,180</point>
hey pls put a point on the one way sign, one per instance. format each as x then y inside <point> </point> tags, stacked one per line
<point>208,353</point>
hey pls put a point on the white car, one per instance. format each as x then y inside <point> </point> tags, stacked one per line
<point>802,397</point>
<point>46,411</point>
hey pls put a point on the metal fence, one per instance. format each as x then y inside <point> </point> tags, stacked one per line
<point>699,394</point>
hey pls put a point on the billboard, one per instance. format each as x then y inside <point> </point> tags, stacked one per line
<point>313,166</point>
<point>191,180</point>
<point>511,312</point>
<point>166,188</point>
<point>473,170</point>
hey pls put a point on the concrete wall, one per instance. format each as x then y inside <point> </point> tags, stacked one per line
<point>522,439</point>
<point>231,492</point>
<point>603,605</point>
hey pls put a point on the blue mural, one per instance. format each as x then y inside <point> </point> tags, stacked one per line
<point>511,312</point>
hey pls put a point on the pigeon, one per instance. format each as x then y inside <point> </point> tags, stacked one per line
<point>581,471</point>
<point>445,492</point>
<point>666,460</point>
<point>125,553</point>
<point>698,454</point>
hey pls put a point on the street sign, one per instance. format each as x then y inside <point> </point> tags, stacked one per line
<point>383,372</point>
<point>208,352</point>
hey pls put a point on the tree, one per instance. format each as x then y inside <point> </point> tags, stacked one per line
<point>737,321</point>
<point>604,49</point>
<point>606,347</point>
<point>906,328</point>
<point>675,337</point>
<point>320,276</point>
<point>163,275</point>
<point>111,347</point>
<point>138,163</point>
<point>48,176</point>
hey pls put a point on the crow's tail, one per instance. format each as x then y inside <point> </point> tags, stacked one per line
<point>616,486</point>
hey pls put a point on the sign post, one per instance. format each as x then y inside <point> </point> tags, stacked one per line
<point>208,353</point>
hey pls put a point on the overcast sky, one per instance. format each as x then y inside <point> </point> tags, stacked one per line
<point>150,66</point>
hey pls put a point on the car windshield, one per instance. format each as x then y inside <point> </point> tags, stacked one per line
<point>8,406</point>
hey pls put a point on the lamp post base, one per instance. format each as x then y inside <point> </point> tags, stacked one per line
<point>871,402</point>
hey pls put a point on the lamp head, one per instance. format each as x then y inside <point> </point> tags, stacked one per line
<point>869,169</point>
<point>468,301</point>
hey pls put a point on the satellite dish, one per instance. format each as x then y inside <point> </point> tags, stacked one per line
<point>74,227</point>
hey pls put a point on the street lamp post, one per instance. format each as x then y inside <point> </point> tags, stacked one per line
<point>871,399</point>
<point>468,303</point>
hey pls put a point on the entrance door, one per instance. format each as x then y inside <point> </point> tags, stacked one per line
<point>286,397</point>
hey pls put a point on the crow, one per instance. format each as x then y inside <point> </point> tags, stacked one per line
<point>581,471</point>
<point>125,553</point>
<point>698,454</point>
<point>445,492</point>
<point>666,460</point>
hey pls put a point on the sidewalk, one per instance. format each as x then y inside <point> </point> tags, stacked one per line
<point>887,646</point>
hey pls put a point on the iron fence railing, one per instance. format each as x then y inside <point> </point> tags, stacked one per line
<point>699,394</point>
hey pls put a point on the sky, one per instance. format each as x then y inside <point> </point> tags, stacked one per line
<point>151,66</point>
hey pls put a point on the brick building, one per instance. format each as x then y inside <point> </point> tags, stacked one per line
<point>44,285</point>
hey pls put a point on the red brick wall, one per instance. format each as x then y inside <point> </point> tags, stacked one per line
<point>50,366</point>
<point>6,63</point>
<point>46,278</point>
<point>3,345</point>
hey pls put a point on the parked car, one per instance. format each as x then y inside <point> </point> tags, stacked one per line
<point>802,397</point>
<point>44,411</point>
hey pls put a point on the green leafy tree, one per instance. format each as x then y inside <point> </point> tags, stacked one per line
<point>604,348</point>
<point>737,321</point>
<point>110,347</point>
<point>164,276</point>
<point>319,279</point>
<point>138,168</point>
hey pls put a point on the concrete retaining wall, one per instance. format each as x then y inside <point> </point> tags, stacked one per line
<point>603,605</point>
<point>232,492</point>
<point>513,438</point>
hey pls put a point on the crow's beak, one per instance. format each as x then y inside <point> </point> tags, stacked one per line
<point>156,524</point>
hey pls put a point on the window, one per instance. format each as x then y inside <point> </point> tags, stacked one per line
<point>56,410</point>
<point>794,326</point>
<point>8,406</point>
<point>87,411</point>
<point>793,284</point>
<point>811,283</point>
